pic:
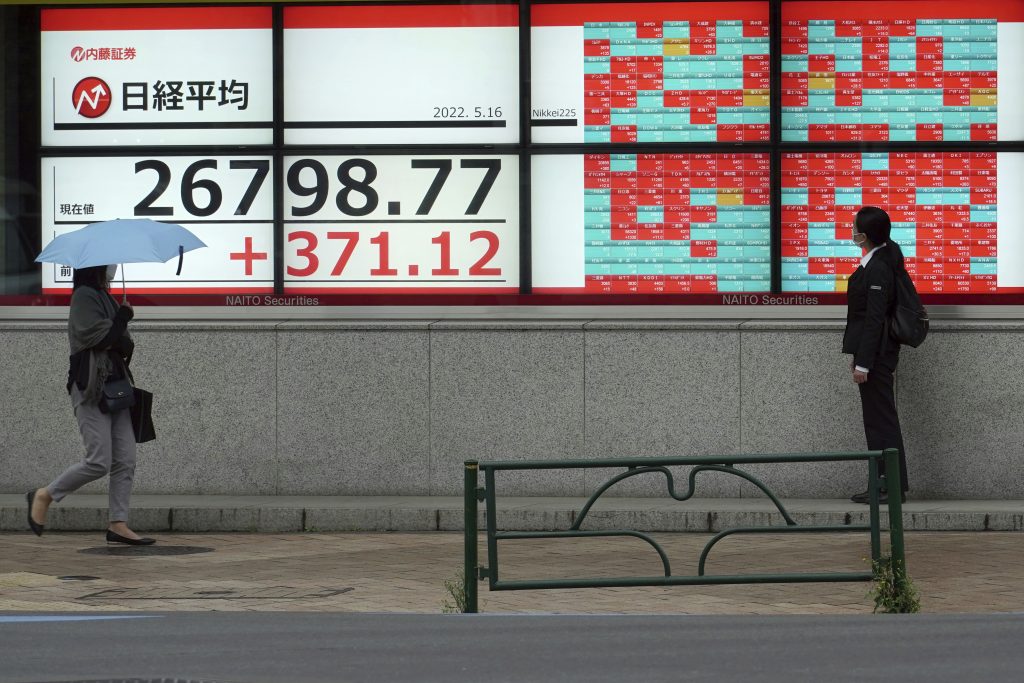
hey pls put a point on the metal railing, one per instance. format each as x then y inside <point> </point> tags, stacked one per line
<point>639,466</point>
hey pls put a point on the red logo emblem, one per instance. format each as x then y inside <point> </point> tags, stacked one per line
<point>91,97</point>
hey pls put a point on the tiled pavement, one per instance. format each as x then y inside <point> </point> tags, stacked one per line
<point>406,572</point>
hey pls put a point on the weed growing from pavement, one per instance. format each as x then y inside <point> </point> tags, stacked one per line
<point>455,602</point>
<point>892,590</point>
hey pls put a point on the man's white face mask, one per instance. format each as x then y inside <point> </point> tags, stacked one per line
<point>111,273</point>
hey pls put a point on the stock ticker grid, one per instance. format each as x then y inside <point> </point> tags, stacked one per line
<point>676,81</point>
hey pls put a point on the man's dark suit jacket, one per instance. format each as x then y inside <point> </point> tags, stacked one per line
<point>870,297</point>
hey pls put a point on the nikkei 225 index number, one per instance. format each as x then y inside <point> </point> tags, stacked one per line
<point>359,197</point>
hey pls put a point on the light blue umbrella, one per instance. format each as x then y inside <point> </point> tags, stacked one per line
<point>120,241</point>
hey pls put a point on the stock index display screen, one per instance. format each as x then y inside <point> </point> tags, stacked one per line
<point>364,149</point>
<point>651,223</point>
<point>650,72</point>
<point>916,70</point>
<point>957,216</point>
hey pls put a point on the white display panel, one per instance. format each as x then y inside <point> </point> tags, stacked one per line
<point>157,76</point>
<point>401,74</point>
<point>227,201</point>
<point>401,223</point>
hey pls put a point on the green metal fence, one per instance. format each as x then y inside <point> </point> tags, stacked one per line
<point>474,494</point>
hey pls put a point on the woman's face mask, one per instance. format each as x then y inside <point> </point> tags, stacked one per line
<point>111,273</point>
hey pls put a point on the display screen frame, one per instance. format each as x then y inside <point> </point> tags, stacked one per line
<point>526,149</point>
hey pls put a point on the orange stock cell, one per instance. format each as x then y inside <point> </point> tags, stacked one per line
<point>928,234</point>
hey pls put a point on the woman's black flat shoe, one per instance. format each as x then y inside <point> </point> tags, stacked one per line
<point>36,528</point>
<point>118,538</point>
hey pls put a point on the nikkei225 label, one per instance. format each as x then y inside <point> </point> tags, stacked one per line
<point>389,224</point>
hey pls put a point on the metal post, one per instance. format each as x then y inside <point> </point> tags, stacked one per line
<point>895,495</point>
<point>876,541</point>
<point>470,566</point>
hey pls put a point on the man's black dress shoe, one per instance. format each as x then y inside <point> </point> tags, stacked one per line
<point>36,528</point>
<point>883,497</point>
<point>118,538</point>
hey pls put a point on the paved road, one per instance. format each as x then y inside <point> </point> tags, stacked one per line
<point>342,648</point>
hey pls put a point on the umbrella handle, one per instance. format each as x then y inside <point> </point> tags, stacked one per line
<point>181,257</point>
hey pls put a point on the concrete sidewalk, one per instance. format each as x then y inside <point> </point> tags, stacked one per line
<point>279,514</point>
<point>301,563</point>
<point>406,572</point>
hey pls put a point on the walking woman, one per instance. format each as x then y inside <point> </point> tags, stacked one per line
<point>871,297</point>
<point>101,349</point>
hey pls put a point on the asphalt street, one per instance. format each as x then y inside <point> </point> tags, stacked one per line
<point>340,648</point>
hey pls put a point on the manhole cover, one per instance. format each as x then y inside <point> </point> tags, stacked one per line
<point>247,593</point>
<point>145,550</point>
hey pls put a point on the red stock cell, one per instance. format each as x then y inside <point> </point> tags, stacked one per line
<point>755,29</point>
<point>756,132</point>
<point>702,46</point>
<point>703,249</point>
<point>819,63</point>
<point>821,133</point>
<point>983,132</point>
<point>597,48</point>
<point>984,79</point>
<point>794,98</point>
<point>794,46</point>
<point>821,266</point>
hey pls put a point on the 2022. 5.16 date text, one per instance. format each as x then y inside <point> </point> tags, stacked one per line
<point>456,112</point>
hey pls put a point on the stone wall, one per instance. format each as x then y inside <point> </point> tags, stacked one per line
<point>395,407</point>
